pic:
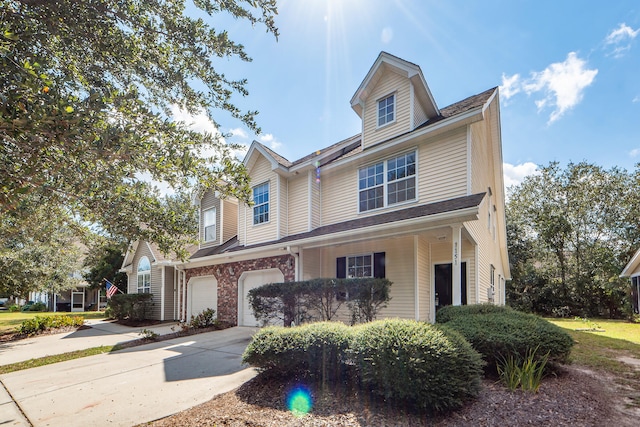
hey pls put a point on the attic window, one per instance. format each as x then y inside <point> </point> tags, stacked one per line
<point>386,110</point>
<point>210,225</point>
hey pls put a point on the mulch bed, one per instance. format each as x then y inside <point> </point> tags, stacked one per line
<point>569,399</point>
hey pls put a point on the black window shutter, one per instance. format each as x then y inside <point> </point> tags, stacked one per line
<point>341,268</point>
<point>379,271</point>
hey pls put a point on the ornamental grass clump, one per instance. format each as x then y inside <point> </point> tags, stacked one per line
<point>526,373</point>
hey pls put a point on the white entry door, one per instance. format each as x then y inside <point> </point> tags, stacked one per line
<point>248,281</point>
<point>202,294</point>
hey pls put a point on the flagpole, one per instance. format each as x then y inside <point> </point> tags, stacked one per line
<point>113,285</point>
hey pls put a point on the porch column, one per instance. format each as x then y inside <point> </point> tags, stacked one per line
<point>456,247</point>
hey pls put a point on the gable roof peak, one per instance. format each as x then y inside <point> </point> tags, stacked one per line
<point>386,61</point>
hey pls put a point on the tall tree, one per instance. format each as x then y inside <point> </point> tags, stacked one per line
<point>85,109</point>
<point>578,226</point>
<point>39,249</point>
<point>103,261</point>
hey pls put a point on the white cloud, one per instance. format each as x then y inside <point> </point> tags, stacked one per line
<point>387,35</point>
<point>270,140</point>
<point>239,132</point>
<point>164,188</point>
<point>510,86</point>
<point>199,122</point>
<point>620,39</point>
<point>563,84</point>
<point>636,99</point>
<point>514,175</point>
<point>634,152</point>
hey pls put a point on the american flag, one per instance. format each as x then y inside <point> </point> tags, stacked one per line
<point>111,289</point>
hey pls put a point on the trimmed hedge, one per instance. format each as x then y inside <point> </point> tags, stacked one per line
<point>39,323</point>
<point>408,362</point>
<point>132,307</point>
<point>315,350</point>
<point>499,332</point>
<point>431,368</point>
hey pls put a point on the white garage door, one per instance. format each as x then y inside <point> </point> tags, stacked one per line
<point>248,281</point>
<point>202,294</point>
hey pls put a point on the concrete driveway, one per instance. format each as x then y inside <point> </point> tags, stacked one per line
<point>127,387</point>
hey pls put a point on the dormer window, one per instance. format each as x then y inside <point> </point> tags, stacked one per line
<point>386,110</point>
<point>210,225</point>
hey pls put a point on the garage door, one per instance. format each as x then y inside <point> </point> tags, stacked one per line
<point>202,294</point>
<point>248,281</point>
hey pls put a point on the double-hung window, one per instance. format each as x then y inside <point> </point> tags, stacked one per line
<point>209,224</point>
<point>144,276</point>
<point>360,266</point>
<point>386,110</point>
<point>261,203</point>
<point>388,182</point>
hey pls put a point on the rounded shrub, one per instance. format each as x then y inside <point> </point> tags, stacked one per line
<point>502,332</point>
<point>451,312</point>
<point>430,368</point>
<point>314,349</point>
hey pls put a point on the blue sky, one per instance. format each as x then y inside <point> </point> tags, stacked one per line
<point>569,72</point>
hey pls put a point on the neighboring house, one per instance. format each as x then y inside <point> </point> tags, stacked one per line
<point>416,197</point>
<point>632,270</point>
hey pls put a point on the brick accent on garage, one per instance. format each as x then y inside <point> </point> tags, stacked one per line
<point>227,276</point>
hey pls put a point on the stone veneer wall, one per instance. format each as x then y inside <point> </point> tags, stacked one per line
<point>228,283</point>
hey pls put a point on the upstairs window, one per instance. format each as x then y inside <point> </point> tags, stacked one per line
<point>209,225</point>
<point>386,110</point>
<point>261,203</point>
<point>144,276</point>
<point>393,181</point>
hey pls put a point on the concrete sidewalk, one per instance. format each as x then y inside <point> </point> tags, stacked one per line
<point>128,387</point>
<point>101,332</point>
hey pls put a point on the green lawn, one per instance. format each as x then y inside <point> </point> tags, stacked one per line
<point>9,321</point>
<point>600,351</point>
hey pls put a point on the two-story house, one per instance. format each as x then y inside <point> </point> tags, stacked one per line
<point>416,197</point>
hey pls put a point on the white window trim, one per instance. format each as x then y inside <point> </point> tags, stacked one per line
<point>143,273</point>
<point>385,182</point>
<point>268,183</point>
<point>395,109</point>
<point>370,255</point>
<point>214,225</point>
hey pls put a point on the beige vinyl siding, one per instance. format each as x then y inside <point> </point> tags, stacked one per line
<point>298,206</point>
<point>424,279</point>
<point>209,200</point>
<point>481,158</point>
<point>339,194</point>
<point>230,219</point>
<point>388,84</point>
<point>316,204</point>
<point>400,270</point>
<point>155,279</point>
<point>169,294</point>
<point>282,208</point>
<point>469,256</point>
<point>442,166</point>
<point>312,264</point>
<point>243,211</point>
<point>419,115</point>
<point>480,233</point>
<point>261,173</point>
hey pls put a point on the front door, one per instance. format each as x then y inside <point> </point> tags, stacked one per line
<point>444,284</point>
<point>77,301</point>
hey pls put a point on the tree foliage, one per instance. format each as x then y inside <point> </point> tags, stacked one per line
<point>85,109</point>
<point>570,234</point>
<point>39,249</point>
<point>103,261</point>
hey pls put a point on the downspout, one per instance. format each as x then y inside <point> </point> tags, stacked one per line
<point>162,292</point>
<point>296,263</point>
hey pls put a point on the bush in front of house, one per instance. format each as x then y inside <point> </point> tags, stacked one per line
<point>129,307</point>
<point>38,324</point>
<point>315,350</point>
<point>203,319</point>
<point>430,368</point>
<point>319,299</point>
<point>501,332</point>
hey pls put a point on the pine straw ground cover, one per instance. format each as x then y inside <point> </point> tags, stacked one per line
<point>573,397</point>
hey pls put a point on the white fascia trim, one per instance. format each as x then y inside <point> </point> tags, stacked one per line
<point>631,265</point>
<point>471,116</point>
